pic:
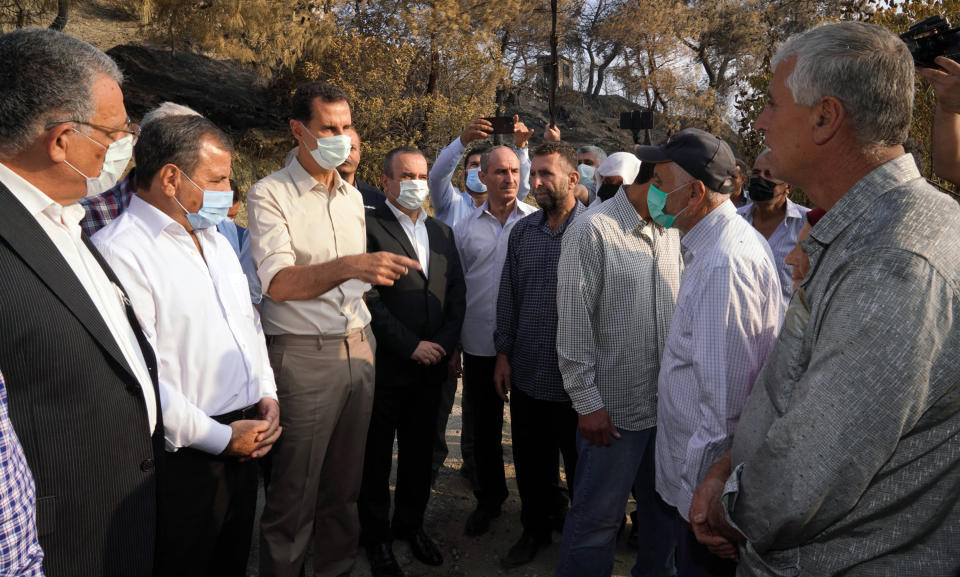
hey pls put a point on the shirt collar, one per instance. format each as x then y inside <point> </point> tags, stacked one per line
<point>624,212</point>
<point>519,209</point>
<point>403,218</point>
<point>305,183</point>
<point>855,202</point>
<point>702,235</point>
<point>155,221</point>
<point>37,202</point>
<point>578,208</point>
<point>32,198</point>
<point>793,210</point>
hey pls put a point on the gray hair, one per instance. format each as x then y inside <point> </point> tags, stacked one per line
<point>588,149</point>
<point>46,77</point>
<point>174,140</point>
<point>166,110</point>
<point>485,157</point>
<point>866,67</point>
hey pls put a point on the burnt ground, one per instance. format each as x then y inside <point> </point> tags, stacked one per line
<point>451,501</point>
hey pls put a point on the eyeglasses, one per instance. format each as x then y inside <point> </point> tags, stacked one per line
<point>131,128</point>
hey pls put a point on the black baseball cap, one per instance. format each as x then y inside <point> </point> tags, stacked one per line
<point>705,156</point>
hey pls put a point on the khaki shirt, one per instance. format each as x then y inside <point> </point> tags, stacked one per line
<point>295,221</point>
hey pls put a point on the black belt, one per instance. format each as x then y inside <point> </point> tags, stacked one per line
<point>238,415</point>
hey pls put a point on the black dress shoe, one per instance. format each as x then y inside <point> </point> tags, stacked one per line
<point>424,549</point>
<point>382,561</point>
<point>524,550</point>
<point>478,522</point>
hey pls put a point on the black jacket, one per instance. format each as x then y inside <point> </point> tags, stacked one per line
<point>414,308</point>
<point>77,408</point>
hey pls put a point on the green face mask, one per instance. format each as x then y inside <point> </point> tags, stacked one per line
<point>656,201</point>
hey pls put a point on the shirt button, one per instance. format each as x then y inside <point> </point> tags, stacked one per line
<point>146,465</point>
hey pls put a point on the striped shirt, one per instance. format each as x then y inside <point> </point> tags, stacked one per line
<point>20,553</point>
<point>617,283</point>
<point>527,306</point>
<point>726,321</point>
<point>782,241</point>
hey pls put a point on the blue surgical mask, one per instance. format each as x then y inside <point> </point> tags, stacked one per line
<point>586,172</point>
<point>412,193</point>
<point>331,151</point>
<point>473,181</point>
<point>656,201</point>
<point>216,204</point>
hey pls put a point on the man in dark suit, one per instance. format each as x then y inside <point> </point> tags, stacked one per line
<point>417,325</point>
<point>372,198</point>
<point>80,375</point>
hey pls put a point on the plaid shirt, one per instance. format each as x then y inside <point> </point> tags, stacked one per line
<point>527,306</point>
<point>617,283</point>
<point>103,209</point>
<point>20,553</point>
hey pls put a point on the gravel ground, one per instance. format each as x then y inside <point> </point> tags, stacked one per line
<point>451,501</point>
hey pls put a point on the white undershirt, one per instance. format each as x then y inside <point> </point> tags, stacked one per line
<point>62,225</point>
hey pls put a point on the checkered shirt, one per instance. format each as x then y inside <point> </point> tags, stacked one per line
<point>527,306</point>
<point>617,284</point>
<point>103,209</point>
<point>20,553</point>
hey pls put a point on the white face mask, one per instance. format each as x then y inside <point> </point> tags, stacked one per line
<point>331,151</point>
<point>413,193</point>
<point>114,161</point>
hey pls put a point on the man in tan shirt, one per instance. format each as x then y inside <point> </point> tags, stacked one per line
<point>308,239</point>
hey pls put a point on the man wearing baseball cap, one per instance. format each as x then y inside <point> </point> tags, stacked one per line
<point>726,321</point>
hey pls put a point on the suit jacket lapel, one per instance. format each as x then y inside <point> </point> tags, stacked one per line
<point>30,242</point>
<point>395,229</point>
<point>438,247</point>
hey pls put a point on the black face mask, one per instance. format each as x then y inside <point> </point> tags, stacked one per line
<point>606,191</point>
<point>761,189</point>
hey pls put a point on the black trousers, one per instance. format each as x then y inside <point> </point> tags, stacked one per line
<point>206,507</point>
<point>478,390</point>
<point>410,413</point>
<point>542,431</point>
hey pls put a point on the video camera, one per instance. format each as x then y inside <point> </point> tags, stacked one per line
<point>930,38</point>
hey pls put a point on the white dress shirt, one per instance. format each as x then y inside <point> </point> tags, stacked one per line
<point>196,312</point>
<point>62,225</point>
<point>482,244</point>
<point>416,234</point>
<point>725,324</point>
<point>295,220</point>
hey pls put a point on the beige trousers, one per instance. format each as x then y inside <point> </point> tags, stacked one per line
<point>325,386</point>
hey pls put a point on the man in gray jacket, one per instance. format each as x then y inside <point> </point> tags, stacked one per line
<point>845,459</point>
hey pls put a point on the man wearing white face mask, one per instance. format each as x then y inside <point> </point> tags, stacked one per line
<point>217,389</point>
<point>308,239</point>
<point>80,374</point>
<point>101,209</point>
<point>417,325</point>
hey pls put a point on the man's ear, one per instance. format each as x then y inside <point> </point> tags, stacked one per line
<point>574,178</point>
<point>55,142</point>
<point>697,191</point>
<point>169,177</point>
<point>828,116</point>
